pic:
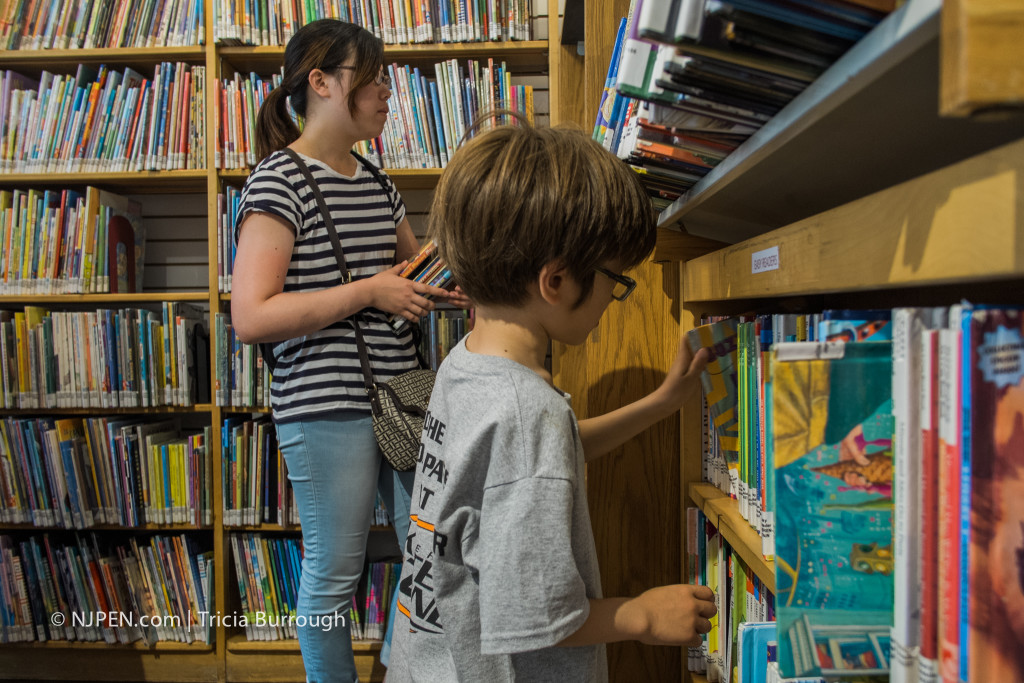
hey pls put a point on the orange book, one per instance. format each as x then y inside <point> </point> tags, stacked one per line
<point>426,252</point>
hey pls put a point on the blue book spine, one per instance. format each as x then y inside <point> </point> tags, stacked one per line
<point>442,141</point>
<point>967,315</point>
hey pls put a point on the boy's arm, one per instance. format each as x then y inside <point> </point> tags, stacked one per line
<point>668,615</point>
<point>607,432</point>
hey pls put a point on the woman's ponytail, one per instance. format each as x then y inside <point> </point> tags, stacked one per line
<point>275,128</point>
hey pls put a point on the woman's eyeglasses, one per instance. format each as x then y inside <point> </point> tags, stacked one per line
<point>382,77</point>
<point>624,286</point>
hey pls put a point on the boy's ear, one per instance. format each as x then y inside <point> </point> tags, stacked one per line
<point>554,282</point>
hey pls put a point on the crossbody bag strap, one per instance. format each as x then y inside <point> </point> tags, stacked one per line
<point>346,276</point>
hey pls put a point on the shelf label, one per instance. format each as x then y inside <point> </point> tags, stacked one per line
<point>765,260</point>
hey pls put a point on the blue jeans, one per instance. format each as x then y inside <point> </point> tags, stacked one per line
<point>335,469</point>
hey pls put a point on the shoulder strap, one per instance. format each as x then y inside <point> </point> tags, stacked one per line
<point>346,276</point>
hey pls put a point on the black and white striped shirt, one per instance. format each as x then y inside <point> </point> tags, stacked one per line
<point>320,372</point>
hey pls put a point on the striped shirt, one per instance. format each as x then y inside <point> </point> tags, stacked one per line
<point>320,372</point>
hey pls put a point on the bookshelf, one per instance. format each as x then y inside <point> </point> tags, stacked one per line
<point>188,273</point>
<point>873,198</point>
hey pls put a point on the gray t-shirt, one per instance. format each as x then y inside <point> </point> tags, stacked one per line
<point>500,560</point>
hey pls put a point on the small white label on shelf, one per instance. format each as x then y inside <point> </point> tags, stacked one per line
<point>764,260</point>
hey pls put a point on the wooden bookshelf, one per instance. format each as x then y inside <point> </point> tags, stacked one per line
<point>956,225</point>
<point>149,182</point>
<point>230,658</point>
<point>724,513</point>
<point>868,123</point>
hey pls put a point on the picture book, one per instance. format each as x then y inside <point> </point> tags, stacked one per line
<point>720,383</point>
<point>833,476</point>
<point>995,642</point>
<point>855,325</point>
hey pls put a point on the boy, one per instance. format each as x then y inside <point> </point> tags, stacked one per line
<point>500,579</point>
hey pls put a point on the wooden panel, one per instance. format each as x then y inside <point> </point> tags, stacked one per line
<point>286,667</point>
<point>982,57</point>
<point>961,223</point>
<point>105,663</point>
<point>724,513</point>
<point>634,491</point>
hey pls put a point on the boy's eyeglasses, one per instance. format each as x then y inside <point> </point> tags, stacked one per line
<point>381,79</point>
<point>624,286</point>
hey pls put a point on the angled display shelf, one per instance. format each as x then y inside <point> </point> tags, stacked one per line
<point>869,122</point>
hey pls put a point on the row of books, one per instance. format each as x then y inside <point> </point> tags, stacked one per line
<point>70,24</point>
<point>70,242</point>
<point>273,22</point>
<point>267,573</point>
<point>103,120</point>
<point>740,597</point>
<point>428,117</point>
<point>255,482</point>
<point>228,202</point>
<point>886,468</point>
<point>440,331</point>
<point>689,80</point>
<point>127,358</point>
<point>77,473</point>
<point>142,591</point>
<point>241,378</point>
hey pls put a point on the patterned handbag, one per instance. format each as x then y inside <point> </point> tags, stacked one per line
<point>398,406</point>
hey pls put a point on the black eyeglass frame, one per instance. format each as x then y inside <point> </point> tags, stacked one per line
<point>628,282</point>
<point>383,78</point>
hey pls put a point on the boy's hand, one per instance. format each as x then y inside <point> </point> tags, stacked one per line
<point>683,377</point>
<point>671,615</point>
<point>401,296</point>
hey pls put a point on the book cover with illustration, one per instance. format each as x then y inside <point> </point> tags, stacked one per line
<point>995,643</point>
<point>720,383</point>
<point>833,476</point>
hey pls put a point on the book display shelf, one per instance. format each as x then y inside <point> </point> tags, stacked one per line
<point>229,656</point>
<point>893,180</point>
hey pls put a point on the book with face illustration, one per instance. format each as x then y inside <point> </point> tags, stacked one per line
<point>832,476</point>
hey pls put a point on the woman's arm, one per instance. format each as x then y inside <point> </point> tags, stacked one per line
<point>262,312</point>
<point>607,432</point>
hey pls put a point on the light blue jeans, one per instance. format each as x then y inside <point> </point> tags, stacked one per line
<point>336,469</point>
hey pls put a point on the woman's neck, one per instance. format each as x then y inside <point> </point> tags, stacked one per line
<point>329,147</point>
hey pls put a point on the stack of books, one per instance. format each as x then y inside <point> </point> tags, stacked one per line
<point>690,80</point>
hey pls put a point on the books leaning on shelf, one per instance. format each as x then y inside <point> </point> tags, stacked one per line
<point>241,378</point>
<point>273,22</point>
<point>102,120</point>
<point>427,121</point>
<point>70,242</point>
<point>695,78</point>
<point>167,579</point>
<point>124,358</point>
<point>70,24</point>
<point>255,482</point>
<point>76,473</point>
<point>267,574</point>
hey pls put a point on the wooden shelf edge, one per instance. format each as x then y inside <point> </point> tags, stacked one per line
<point>148,297</point>
<point>961,223</point>
<point>724,513</point>
<point>238,644</point>
<point>677,245</point>
<point>161,647</point>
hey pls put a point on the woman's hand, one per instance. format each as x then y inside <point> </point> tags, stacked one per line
<point>401,296</point>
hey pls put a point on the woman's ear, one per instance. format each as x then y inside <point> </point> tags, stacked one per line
<point>318,82</point>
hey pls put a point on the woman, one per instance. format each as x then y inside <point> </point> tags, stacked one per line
<point>287,289</point>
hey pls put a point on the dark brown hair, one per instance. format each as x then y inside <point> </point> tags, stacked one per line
<point>324,44</point>
<point>517,197</point>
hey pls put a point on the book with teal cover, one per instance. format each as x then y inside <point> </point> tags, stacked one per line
<point>832,470</point>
